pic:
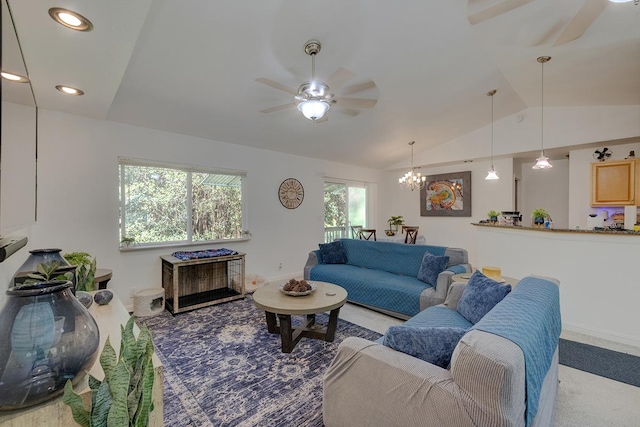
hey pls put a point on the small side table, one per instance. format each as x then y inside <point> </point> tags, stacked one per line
<point>102,277</point>
<point>464,278</point>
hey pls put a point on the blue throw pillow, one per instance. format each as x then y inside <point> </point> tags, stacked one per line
<point>333,253</point>
<point>479,296</point>
<point>431,267</point>
<point>431,344</point>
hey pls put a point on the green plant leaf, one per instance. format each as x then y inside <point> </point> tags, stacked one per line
<point>108,359</point>
<point>80,414</point>
<point>94,383</point>
<point>128,348</point>
<point>146,401</point>
<point>101,401</point>
<point>119,388</point>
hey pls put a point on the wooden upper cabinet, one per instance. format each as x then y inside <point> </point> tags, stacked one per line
<point>615,183</point>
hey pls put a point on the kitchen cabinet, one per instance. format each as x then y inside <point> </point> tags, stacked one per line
<point>615,183</point>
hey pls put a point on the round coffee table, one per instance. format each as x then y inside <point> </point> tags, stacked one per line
<point>326,297</point>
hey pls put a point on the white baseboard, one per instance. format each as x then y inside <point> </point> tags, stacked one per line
<point>601,338</point>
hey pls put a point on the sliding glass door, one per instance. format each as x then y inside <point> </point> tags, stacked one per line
<point>345,205</point>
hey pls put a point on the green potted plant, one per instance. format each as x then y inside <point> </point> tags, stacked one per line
<point>123,397</point>
<point>394,222</point>
<point>126,241</point>
<point>539,215</point>
<point>493,216</point>
<point>85,269</point>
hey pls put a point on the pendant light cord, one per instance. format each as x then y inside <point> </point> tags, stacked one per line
<point>492,132</point>
<point>542,112</point>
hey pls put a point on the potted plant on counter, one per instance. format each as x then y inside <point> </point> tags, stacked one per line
<point>539,215</point>
<point>493,216</point>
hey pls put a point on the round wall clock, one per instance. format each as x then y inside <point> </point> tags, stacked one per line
<point>291,193</point>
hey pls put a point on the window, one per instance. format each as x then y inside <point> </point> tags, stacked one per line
<point>169,204</point>
<point>345,204</point>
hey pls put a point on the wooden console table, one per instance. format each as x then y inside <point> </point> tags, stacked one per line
<point>54,413</point>
<point>201,282</point>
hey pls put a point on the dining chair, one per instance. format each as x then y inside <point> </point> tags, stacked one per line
<point>355,231</point>
<point>411,234</point>
<point>366,233</point>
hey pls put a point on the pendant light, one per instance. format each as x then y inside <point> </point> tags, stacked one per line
<point>542,162</point>
<point>413,180</point>
<point>492,175</point>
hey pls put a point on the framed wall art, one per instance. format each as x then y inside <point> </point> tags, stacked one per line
<point>447,194</point>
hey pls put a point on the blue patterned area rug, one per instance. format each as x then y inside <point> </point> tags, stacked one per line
<point>222,368</point>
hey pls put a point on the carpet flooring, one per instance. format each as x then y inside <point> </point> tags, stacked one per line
<point>222,368</point>
<point>600,361</point>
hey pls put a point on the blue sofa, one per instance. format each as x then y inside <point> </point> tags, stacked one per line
<point>383,275</point>
<point>502,372</point>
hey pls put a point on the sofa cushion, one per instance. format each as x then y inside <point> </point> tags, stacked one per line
<point>431,267</point>
<point>431,344</point>
<point>333,253</point>
<point>480,295</point>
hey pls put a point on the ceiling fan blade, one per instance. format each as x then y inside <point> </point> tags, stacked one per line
<point>356,102</point>
<point>278,108</point>
<point>359,88</point>
<point>348,111</point>
<point>496,10</point>
<point>324,119</point>
<point>277,85</point>
<point>582,21</point>
<point>339,78</point>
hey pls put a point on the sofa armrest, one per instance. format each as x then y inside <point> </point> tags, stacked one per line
<point>444,279</point>
<point>369,384</point>
<point>454,294</point>
<point>312,261</point>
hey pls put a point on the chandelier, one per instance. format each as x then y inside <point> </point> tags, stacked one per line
<point>542,162</point>
<point>492,174</point>
<point>413,180</point>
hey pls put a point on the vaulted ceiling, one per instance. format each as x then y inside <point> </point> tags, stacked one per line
<point>190,67</point>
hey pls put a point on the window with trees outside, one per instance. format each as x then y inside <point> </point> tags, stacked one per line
<point>164,204</point>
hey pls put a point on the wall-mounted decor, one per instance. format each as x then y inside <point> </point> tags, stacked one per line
<point>291,193</point>
<point>447,194</point>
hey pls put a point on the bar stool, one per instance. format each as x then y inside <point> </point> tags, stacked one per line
<point>355,231</point>
<point>411,234</point>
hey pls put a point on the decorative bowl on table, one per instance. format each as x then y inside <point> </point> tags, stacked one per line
<point>296,288</point>
<point>390,233</point>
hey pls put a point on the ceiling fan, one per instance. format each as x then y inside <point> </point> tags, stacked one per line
<point>314,97</point>
<point>602,154</point>
<point>572,31</point>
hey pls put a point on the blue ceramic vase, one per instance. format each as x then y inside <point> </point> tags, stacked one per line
<point>47,337</point>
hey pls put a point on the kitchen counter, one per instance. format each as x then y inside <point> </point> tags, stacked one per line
<point>562,230</point>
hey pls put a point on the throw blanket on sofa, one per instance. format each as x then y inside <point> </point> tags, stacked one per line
<point>530,317</point>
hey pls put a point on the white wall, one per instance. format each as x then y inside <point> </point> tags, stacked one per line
<point>78,197</point>
<point>449,231</point>
<point>547,189</point>
<point>599,290</point>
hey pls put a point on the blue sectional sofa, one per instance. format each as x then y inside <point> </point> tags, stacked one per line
<point>503,371</point>
<point>383,275</point>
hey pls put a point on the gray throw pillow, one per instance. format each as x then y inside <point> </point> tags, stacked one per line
<point>431,344</point>
<point>431,267</point>
<point>479,296</point>
<point>333,253</point>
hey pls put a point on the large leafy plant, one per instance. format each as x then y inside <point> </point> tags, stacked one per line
<point>123,397</point>
<point>85,269</point>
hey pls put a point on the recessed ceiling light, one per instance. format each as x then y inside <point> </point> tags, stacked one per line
<point>70,19</point>
<point>69,90</point>
<point>17,78</point>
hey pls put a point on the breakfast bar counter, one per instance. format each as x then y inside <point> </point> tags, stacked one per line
<point>603,230</point>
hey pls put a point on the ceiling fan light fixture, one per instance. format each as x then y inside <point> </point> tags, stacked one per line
<point>620,1</point>
<point>313,109</point>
